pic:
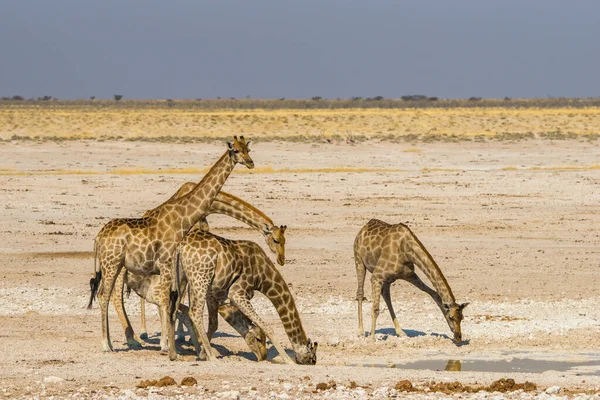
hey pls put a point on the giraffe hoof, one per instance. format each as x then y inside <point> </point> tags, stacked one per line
<point>144,336</point>
<point>106,347</point>
<point>134,344</point>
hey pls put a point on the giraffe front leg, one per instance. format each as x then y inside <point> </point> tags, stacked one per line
<point>253,335</point>
<point>239,300</point>
<point>376,289</point>
<point>167,325</point>
<point>361,271</point>
<point>385,292</point>
<point>184,317</point>
<point>116,297</point>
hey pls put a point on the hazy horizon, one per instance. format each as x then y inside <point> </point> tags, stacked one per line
<point>273,49</point>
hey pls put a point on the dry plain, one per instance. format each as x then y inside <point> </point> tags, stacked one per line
<point>513,225</point>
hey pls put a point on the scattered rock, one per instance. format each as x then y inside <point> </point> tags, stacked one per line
<point>189,381</point>
<point>230,395</point>
<point>145,384</point>
<point>162,382</point>
<point>166,381</point>
<point>450,387</point>
<point>553,390</point>
<point>322,386</point>
<point>404,386</point>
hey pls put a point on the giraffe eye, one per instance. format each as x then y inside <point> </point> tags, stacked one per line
<point>275,241</point>
<point>236,151</point>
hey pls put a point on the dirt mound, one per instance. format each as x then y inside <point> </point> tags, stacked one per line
<point>189,381</point>
<point>501,385</point>
<point>162,382</point>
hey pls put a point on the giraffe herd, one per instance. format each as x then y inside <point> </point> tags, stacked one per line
<point>169,252</point>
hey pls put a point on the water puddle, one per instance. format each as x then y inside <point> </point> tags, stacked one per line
<point>522,365</point>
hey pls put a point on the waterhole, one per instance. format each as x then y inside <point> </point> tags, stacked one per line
<point>522,365</point>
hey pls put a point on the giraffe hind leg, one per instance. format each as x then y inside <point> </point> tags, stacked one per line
<point>133,342</point>
<point>109,275</point>
<point>376,285</point>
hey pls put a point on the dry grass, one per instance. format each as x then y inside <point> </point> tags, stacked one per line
<point>34,122</point>
<point>271,170</point>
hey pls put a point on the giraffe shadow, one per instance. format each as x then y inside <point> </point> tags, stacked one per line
<point>225,352</point>
<point>392,332</point>
<point>272,353</point>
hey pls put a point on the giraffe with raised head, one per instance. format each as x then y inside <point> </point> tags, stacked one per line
<point>391,252</point>
<point>145,246</point>
<point>225,204</point>
<point>218,270</point>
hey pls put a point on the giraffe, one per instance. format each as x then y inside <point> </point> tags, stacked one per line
<point>391,252</point>
<point>225,204</point>
<point>219,269</point>
<point>144,286</point>
<point>146,245</point>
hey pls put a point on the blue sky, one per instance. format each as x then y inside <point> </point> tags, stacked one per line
<point>298,49</point>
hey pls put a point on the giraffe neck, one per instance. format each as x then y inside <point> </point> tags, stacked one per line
<point>423,260</point>
<point>237,208</point>
<point>185,211</point>
<point>268,280</point>
<point>232,206</point>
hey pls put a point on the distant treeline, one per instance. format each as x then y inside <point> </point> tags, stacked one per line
<point>409,101</point>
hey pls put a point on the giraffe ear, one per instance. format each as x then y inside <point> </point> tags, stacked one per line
<point>248,143</point>
<point>463,305</point>
<point>229,146</point>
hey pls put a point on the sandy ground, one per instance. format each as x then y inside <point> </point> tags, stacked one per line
<point>513,226</point>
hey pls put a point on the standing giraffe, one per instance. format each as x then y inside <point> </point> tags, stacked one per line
<point>225,204</point>
<point>146,246</point>
<point>391,252</point>
<point>219,269</point>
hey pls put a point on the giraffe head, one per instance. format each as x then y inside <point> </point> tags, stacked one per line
<point>257,341</point>
<point>307,354</point>
<point>275,238</point>
<point>238,151</point>
<point>454,315</point>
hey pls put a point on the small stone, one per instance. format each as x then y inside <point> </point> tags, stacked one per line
<point>166,381</point>
<point>553,390</point>
<point>229,395</point>
<point>404,386</point>
<point>189,381</point>
<point>322,386</point>
<point>334,341</point>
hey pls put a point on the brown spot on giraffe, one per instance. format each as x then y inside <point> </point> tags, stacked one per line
<point>391,252</point>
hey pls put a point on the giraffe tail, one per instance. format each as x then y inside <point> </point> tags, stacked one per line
<point>95,281</point>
